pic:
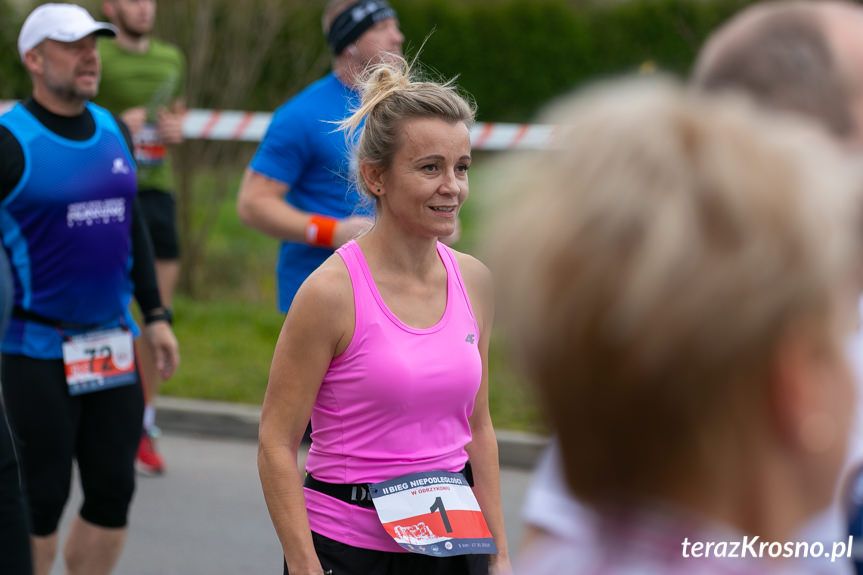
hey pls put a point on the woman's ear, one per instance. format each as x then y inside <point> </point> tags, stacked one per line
<point>372,175</point>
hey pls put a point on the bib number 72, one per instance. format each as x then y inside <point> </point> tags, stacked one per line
<point>103,352</point>
<point>99,360</point>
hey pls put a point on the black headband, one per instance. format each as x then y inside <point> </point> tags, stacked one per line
<point>353,22</point>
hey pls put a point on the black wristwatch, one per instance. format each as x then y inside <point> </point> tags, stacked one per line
<point>159,314</point>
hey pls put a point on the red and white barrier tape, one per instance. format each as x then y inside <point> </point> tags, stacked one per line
<point>235,125</point>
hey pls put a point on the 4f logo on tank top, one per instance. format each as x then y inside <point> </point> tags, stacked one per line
<point>471,338</point>
<point>96,212</point>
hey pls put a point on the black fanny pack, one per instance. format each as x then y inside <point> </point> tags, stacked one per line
<point>359,493</point>
<point>27,315</point>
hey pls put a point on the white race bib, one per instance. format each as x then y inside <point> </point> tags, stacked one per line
<point>432,513</point>
<point>99,360</point>
<point>149,147</point>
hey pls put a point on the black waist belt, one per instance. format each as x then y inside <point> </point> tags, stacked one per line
<point>359,493</point>
<point>27,315</point>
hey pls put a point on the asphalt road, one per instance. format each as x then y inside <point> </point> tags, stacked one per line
<point>207,515</point>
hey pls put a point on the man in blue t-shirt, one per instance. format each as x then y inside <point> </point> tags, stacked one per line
<point>297,187</point>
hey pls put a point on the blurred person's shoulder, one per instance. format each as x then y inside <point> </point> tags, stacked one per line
<point>653,540</point>
<point>553,556</point>
<point>165,50</point>
<point>316,98</point>
<point>327,87</point>
<point>548,503</point>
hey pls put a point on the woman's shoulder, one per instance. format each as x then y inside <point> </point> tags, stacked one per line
<point>472,270</point>
<point>327,289</point>
<point>478,282</point>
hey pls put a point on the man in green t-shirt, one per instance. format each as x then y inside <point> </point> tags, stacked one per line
<point>143,82</point>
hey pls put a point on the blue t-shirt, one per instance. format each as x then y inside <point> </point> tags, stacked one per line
<point>304,149</point>
<point>66,228</point>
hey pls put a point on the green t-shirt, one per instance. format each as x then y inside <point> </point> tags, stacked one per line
<point>153,79</point>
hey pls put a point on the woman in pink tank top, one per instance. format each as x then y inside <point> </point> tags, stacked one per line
<point>385,349</point>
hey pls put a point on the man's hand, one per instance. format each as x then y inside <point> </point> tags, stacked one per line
<point>349,228</point>
<point>170,127</point>
<point>166,350</point>
<point>135,118</point>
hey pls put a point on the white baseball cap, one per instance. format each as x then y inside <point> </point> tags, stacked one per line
<point>60,22</point>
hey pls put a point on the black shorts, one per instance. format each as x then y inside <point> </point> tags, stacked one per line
<point>344,559</point>
<point>101,430</point>
<point>160,212</point>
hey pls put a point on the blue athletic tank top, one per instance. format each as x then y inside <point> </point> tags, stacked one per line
<point>66,228</point>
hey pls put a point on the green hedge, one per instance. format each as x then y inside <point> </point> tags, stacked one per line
<point>13,80</point>
<point>511,55</point>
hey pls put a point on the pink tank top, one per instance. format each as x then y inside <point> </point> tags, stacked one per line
<point>396,401</point>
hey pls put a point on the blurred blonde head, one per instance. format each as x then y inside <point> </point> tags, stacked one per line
<point>649,266</point>
<point>793,55</point>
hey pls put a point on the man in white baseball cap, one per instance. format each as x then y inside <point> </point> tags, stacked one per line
<point>69,213</point>
<point>60,22</point>
<point>68,77</point>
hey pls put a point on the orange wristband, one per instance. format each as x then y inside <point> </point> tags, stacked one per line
<point>320,231</point>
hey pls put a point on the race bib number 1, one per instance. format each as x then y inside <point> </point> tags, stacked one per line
<point>99,360</point>
<point>433,513</point>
